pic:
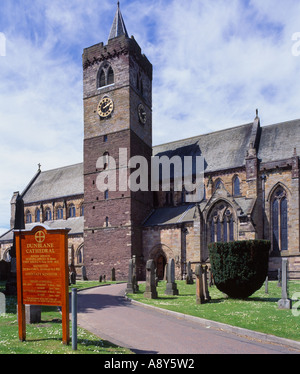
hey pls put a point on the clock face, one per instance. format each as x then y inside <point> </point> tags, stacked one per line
<point>142,114</point>
<point>105,107</point>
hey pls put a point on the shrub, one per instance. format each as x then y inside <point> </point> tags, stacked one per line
<point>239,268</point>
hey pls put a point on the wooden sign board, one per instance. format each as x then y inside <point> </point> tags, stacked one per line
<point>42,273</point>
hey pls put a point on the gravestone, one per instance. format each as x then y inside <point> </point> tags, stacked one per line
<point>113,274</point>
<point>284,302</point>
<point>33,313</point>
<point>130,285</point>
<point>134,279</point>
<point>2,303</point>
<point>189,274</point>
<point>83,273</point>
<point>171,288</point>
<point>205,284</point>
<point>199,285</point>
<point>150,290</point>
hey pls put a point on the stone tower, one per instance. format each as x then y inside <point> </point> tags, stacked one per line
<point>117,96</point>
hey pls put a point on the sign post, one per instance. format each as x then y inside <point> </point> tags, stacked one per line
<point>42,273</point>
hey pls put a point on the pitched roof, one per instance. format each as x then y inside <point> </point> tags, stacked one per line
<point>118,27</point>
<point>278,141</point>
<point>171,215</point>
<point>56,183</point>
<point>223,149</point>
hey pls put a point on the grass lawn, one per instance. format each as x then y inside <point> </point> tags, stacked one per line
<point>259,312</point>
<point>46,337</point>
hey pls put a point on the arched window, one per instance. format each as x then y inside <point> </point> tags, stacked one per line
<point>218,183</point>
<point>236,186</point>
<point>48,214</point>
<point>279,218</point>
<point>72,211</point>
<point>28,217</point>
<point>59,213</point>
<point>110,76</point>
<point>221,223</point>
<point>106,76</point>
<point>37,215</point>
<point>79,255</point>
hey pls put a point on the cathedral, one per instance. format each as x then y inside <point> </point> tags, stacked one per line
<point>251,180</point>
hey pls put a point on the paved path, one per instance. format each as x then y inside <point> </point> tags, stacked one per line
<point>108,314</point>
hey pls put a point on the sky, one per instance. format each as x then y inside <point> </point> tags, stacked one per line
<point>214,62</point>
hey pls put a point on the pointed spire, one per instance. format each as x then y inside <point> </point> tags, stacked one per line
<point>118,27</point>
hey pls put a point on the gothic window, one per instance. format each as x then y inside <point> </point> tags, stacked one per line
<point>79,255</point>
<point>28,217</point>
<point>221,223</point>
<point>59,213</point>
<point>48,214</point>
<point>218,184</point>
<point>72,211</point>
<point>37,215</point>
<point>236,186</point>
<point>279,218</point>
<point>105,76</point>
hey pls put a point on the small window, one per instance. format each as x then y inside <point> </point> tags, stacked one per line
<point>37,215</point>
<point>72,211</point>
<point>48,214</point>
<point>106,221</point>
<point>60,213</point>
<point>82,210</point>
<point>105,138</point>
<point>236,186</point>
<point>106,195</point>
<point>28,217</point>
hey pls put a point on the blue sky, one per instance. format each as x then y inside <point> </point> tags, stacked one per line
<point>214,63</point>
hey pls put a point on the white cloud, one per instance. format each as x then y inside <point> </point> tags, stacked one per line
<point>214,64</point>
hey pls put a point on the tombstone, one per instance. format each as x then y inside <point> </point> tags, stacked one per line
<point>33,313</point>
<point>189,275</point>
<point>2,303</point>
<point>205,284</point>
<point>171,288</point>
<point>100,279</point>
<point>73,277</point>
<point>267,285</point>
<point>113,274</point>
<point>279,278</point>
<point>284,302</point>
<point>200,299</point>
<point>83,273</point>
<point>130,286</point>
<point>150,290</point>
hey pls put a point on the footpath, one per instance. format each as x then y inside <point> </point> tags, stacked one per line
<point>106,312</point>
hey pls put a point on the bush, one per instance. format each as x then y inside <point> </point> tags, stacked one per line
<point>239,268</point>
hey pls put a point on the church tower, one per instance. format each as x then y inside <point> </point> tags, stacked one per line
<point>117,96</point>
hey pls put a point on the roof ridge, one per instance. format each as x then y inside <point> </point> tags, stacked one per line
<point>62,167</point>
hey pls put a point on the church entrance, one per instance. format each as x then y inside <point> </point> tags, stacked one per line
<point>160,267</point>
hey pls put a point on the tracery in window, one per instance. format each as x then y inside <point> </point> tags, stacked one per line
<point>106,76</point>
<point>221,223</point>
<point>279,219</point>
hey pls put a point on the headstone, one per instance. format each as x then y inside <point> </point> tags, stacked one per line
<point>83,273</point>
<point>279,278</point>
<point>73,277</point>
<point>134,279</point>
<point>130,287</point>
<point>113,274</point>
<point>33,313</point>
<point>100,279</point>
<point>171,288</point>
<point>2,303</point>
<point>150,291</point>
<point>205,284</point>
<point>199,285</point>
<point>189,274</point>
<point>266,285</point>
<point>284,302</point>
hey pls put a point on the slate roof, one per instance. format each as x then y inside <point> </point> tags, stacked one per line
<point>118,27</point>
<point>278,141</point>
<point>171,215</point>
<point>56,183</point>
<point>221,150</point>
<point>74,224</point>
